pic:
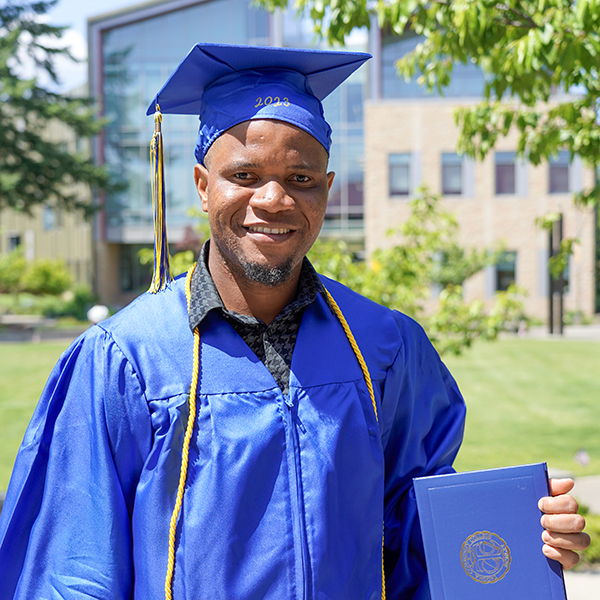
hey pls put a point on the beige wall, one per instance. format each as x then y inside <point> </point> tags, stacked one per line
<point>68,239</point>
<point>427,127</point>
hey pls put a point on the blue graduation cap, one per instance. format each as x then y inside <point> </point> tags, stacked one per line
<point>226,85</point>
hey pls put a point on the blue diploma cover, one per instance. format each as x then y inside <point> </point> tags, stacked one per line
<point>482,535</point>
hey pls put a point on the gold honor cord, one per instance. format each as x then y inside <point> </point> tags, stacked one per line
<point>186,446</point>
<point>192,418</point>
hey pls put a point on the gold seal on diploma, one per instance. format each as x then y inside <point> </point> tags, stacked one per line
<point>485,557</point>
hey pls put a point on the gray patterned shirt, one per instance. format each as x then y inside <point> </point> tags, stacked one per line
<point>273,344</point>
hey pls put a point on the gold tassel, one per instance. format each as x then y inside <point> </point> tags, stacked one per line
<point>162,265</point>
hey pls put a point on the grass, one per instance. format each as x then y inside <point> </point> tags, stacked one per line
<point>530,401</point>
<point>24,368</point>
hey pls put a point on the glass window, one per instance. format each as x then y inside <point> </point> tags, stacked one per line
<point>49,218</point>
<point>559,173</point>
<point>399,168</point>
<point>465,80</point>
<point>14,242</point>
<point>452,182</point>
<point>134,275</point>
<point>505,173</point>
<point>506,271</point>
<point>137,58</point>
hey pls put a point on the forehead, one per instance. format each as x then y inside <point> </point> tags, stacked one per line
<point>267,138</point>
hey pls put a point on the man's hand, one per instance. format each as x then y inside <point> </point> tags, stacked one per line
<point>563,536</point>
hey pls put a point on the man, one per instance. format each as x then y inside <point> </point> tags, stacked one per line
<point>302,435</point>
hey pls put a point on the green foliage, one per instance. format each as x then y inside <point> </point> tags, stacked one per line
<point>591,556</point>
<point>46,276</point>
<point>455,324</point>
<point>402,277</point>
<point>12,268</point>
<point>33,168</point>
<point>73,303</point>
<point>76,305</point>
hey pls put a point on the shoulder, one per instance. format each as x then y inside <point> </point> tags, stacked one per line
<point>369,315</point>
<point>379,330</point>
<point>150,316</point>
<point>153,335</point>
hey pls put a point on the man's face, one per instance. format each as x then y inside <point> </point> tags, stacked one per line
<point>265,190</point>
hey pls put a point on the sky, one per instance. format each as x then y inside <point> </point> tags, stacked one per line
<point>74,14</point>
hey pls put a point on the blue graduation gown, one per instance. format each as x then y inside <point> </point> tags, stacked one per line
<point>285,497</point>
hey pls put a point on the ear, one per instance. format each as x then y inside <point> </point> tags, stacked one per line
<point>330,177</point>
<point>201,179</point>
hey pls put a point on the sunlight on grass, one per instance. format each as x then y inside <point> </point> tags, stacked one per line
<point>24,368</point>
<point>530,401</point>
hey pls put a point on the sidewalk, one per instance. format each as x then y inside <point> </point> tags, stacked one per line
<point>589,333</point>
<point>582,585</point>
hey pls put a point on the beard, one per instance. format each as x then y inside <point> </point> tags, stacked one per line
<point>267,275</point>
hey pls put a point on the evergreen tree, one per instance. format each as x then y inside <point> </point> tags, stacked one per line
<point>34,168</point>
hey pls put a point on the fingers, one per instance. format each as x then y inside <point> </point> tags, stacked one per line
<point>563,536</point>
<point>567,558</point>
<point>558,505</point>
<point>566,541</point>
<point>561,486</point>
<point>563,523</point>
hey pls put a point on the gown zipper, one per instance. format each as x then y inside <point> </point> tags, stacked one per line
<point>293,424</point>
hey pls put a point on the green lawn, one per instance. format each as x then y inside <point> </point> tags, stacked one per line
<point>24,368</point>
<point>527,401</point>
<point>530,401</point>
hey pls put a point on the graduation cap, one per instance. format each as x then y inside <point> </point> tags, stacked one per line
<point>226,85</point>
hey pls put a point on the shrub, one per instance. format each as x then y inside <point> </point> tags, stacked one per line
<point>591,556</point>
<point>46,276</point>
<point>12,268</point>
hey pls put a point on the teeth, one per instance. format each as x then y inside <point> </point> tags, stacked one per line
<point>268,230</point>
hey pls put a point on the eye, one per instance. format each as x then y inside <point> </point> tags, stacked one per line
<point>301,178</point>
<point>242,176</point>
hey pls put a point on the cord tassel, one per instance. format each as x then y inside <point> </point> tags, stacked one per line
<point>162,266</point>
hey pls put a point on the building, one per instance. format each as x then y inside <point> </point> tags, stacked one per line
<point>50,232</point>
<point>411,139</point>
<point>403,138</point>
<point>132,52</point>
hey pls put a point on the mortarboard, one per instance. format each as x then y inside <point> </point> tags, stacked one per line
<point>226,85</point>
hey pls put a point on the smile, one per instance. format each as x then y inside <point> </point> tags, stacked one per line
<point>268,230</point>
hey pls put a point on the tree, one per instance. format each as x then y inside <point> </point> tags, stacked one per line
<point>33,168</point>
<point>541,59</point>
<point>426,255</point>
<point>530,50</point>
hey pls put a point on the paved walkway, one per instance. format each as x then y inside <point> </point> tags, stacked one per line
<point>585,585</point>
<point>589,333</point>
<point>582,586</point>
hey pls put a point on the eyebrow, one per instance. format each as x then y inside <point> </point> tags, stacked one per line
<point>244,165</point>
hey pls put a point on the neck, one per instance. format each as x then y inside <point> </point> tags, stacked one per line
<point>248,297</point>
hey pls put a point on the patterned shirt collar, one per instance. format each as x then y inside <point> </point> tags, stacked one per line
<point>205,296</point>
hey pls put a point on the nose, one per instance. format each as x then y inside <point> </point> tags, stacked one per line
<point>272,197</point>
